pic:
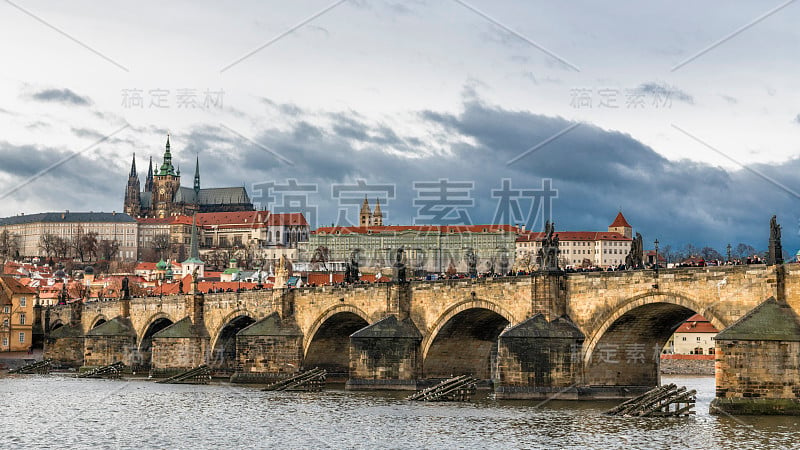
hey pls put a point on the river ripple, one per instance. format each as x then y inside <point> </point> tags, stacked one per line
<point>61,412</point>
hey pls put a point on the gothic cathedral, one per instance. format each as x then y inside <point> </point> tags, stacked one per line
<point>163,195</point>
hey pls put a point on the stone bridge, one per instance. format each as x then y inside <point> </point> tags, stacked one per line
<point>584,334</point>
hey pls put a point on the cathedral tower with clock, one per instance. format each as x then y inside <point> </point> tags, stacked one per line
<point>163,195</point>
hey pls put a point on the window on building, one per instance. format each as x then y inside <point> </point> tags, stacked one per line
<point>5,342</point>
<point>22,318</point>
<point>21,338</point>
<point>23,302</point>
<point>698,338</point>
<point>5,323</point>
<point>684,338</point>
<point>711,350</point>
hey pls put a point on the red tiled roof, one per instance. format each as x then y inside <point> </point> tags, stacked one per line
<point>152,265</point>
<point>424,228</point>
<point>180,220</point>
<point>696,324</point>
<point>620,221</point>
<point>320,278</point>
<point>16,287</point>
<point>287,219</point>
<point>202,286</point>
<point>232,218</point>
<point>696,327</point>
<point>575,236</point>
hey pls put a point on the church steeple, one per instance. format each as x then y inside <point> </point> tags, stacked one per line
<point>133,167</point>
<point>148,182</point>
<point>365,216</point>
<point>193,262</point>
<point>133,203</point>
<point>166,166</point>
<point>377,215</point>
<point>197,176</point>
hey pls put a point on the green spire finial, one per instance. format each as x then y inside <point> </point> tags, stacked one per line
<point>166,167</point>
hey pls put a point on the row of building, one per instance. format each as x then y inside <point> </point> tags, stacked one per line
<point>426,248</point>
<point>159,214</point>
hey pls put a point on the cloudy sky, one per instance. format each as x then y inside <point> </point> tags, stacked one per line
<point>685,116</point>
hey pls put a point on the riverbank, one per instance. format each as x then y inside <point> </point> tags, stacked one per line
<point>687,364</point>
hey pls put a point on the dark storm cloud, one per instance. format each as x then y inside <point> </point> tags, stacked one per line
<point>65,96</point>
<point>81,183</point>
<point>596,172</point>
<point>665,91</point>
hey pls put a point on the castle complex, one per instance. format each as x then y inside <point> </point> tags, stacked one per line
<point>163,195</point>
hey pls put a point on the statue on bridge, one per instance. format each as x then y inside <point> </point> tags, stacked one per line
<point>399,269</point>
<point>775,248</point>
<point>351,269</point>
<point>635,258</point>
<point>547,258</point>
<point>472,263</point>
<point>126,290</point>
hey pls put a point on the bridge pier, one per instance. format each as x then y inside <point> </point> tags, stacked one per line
<point>537,359</point>
<point>184,344</point>
<point>268,350</point>
<point>385,355</point>
<point>65,344</point>
<point>113,341</point>
<point>758,363</point>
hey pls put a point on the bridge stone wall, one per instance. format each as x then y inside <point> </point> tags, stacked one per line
<point>460,321</point>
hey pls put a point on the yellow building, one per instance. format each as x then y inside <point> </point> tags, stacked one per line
<point>16,313</point>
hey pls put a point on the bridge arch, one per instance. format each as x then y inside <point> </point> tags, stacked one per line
<point>223,342</point>
<point>154,324</point>
<point>97,321</point>
<point>625,348</point>
<point>150,324</point>
<point>327,314</point>
<point>474,324</point>
<point>56,325</point>
<point>327,343</point>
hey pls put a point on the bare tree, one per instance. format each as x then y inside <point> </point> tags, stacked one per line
<point>744,251</point>
<point>160,244</point>
<point>61,247</point>
<point>89,243</point>
<point>709,253</point>
<point>108,249</point>
<point>47,244</point>
<point>76,243</point>
<point>9,245</point>
<point>179,252</point>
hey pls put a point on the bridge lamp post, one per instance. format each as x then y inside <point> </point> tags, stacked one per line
<point>728,248</point>
<point>656,264</point>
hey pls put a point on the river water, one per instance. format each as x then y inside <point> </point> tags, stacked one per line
<point>61,412</point>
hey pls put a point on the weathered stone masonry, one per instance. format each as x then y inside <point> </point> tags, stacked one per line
<point>391,335</point>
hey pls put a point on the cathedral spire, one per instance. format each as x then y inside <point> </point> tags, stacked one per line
<point>197,176</point>
<point>133,167</point>
<point>148,182</point>
<point>132,205</point>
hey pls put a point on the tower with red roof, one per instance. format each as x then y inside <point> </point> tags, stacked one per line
<point>621,226</point>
